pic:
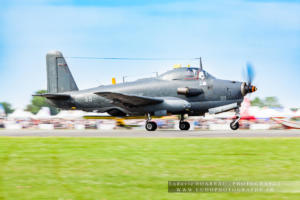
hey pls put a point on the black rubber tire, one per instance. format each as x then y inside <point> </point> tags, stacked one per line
<point>151,126</point>
<point>235,126</point>
<point>155,126</point>
<point>184,126</point>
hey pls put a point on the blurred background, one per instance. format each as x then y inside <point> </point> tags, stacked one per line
<point>258,114</point>
<point>226,34</point>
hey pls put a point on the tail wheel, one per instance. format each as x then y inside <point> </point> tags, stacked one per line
<point>151,126</point>
<point>234,126</point>
<point>184,126</point>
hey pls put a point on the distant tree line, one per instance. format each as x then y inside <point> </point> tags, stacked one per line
<point>7,107</point>
<point>272,102</point>
<point>35,105</point>
<point>38,102</point>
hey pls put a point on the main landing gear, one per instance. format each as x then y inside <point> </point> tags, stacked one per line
<point>183,125</point>
<point>234,125</point>
<point>150,125</point>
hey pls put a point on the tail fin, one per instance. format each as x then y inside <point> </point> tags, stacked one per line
<point>59,77</point>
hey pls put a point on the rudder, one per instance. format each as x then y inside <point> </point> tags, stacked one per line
<point>59,77</point>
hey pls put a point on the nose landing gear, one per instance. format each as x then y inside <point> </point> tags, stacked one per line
<point>234,125</point>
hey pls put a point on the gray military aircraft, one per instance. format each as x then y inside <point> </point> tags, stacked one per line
<point>180,91</point>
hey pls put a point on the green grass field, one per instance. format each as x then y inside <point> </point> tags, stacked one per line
<point>139,168</point>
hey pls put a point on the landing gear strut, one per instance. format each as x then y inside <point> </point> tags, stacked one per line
<point>183,125</point>
<point>150,125</point>
<point>234,125</point>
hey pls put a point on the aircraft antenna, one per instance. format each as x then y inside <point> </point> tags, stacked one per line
<point>124,78</point>
<point>200,64</point>
<point>124,58</point>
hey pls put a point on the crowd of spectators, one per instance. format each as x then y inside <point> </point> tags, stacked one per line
<point>196,123</point>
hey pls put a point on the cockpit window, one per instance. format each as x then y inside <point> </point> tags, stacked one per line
<point>185,73</point>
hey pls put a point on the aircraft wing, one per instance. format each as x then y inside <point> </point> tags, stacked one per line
<point>124,117</point>
<point>54,96</point>
<point>129,101</point>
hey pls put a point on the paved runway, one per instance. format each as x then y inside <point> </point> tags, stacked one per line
<point>143,133</point>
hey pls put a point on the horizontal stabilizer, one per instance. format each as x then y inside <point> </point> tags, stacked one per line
<point>129,101</point>
<point>54,96</point>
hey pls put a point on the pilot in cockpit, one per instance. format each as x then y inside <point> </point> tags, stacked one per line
<point>185,73</point>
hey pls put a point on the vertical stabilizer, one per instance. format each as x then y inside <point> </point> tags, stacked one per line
<point>59,77</point>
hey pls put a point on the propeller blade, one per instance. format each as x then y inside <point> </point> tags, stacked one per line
<point>250,73</point>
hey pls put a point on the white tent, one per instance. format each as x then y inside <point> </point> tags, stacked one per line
<point>94,114</point>
<point>288,113</point>
<point>44,113</point>
<point>77,114</point>
<point>297,114</point>
<point>70,114</point>
<point>2,111</point>
<point>264,113</point>
<point>20,114</point>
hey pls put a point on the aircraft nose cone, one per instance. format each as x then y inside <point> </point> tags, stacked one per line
<point>253,89</point>
<point>248,88</point>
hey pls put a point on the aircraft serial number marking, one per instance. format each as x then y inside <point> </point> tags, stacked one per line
<point>88,99</point>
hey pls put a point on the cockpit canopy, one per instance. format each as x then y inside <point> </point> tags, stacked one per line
<point>185,73</point>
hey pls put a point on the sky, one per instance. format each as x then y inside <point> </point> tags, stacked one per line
<point>226,34</point>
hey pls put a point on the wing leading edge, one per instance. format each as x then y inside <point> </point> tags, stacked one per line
<point>129,101</point>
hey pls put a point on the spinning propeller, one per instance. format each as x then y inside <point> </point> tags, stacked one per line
<point>248,87</point>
